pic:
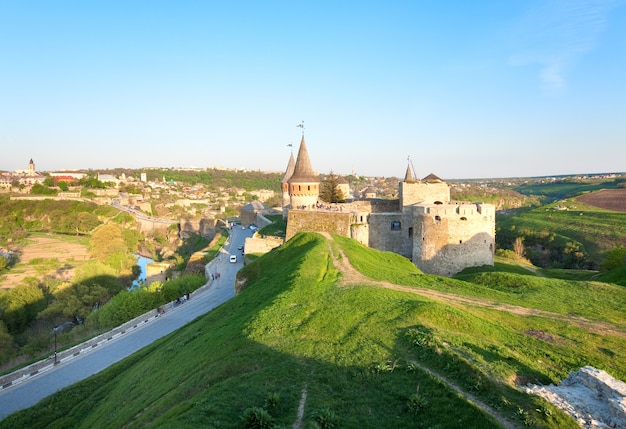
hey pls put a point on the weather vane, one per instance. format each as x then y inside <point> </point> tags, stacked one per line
<point>301,125</point>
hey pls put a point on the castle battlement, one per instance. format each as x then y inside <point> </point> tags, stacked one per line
<point>463,209</point>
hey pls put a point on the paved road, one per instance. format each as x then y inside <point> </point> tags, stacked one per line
<point>28,393</point>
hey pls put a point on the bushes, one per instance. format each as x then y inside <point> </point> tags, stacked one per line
<point>181,285</point>
<point>126,306</point>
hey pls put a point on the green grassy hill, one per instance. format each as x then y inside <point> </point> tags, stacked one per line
<point>564,234</point>
<point>356,338</point>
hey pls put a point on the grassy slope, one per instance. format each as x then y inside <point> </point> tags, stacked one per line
<point>597,230</point>
<point>353,348</point>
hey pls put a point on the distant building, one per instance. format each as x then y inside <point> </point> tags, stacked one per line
<point>68,177</point>
<point>26,177</point>
<point>109,178</point>
<point>249,212</point>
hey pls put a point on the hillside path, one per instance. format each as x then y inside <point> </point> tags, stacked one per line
<point>352,277</point>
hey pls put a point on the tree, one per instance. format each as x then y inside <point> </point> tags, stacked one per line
<point>614,258</point>
<point>329,190</point>
<point>39,189</point>
<point>63,185</point>
<point>518,248</point>
<point>107,240</point>
<point>19,306</point>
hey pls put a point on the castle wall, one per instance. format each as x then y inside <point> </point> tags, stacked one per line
<point>147,226</point>
<point>204,227</point>
<point>248,217</point>
<point>391,232</point>
<point>423,192</point>
<point>373,206</point>
<point>261,245</point>
<point>361,233</point>
<point>318,221</point>
<point>450,237</point>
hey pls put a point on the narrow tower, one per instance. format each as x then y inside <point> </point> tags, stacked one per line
<point>284,184</point>
<point>304,183</point>
<point>31,168</point>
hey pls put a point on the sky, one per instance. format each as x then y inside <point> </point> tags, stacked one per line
<point>462,89</point>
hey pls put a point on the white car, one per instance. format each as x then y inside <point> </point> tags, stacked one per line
<point>233,258</point>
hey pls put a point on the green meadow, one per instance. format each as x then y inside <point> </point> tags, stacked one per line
<point>395,349</point>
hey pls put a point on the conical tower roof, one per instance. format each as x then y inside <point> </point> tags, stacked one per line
<point>303,172</point>
<point>408,176</point>
<point>289,171</point>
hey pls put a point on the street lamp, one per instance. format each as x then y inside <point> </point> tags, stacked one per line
<point>55,329</point>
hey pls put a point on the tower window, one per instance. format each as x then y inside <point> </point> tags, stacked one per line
<point>437,217</point>
<point>395,225</point>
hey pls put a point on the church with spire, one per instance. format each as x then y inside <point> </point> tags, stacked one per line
<point>438,235</point>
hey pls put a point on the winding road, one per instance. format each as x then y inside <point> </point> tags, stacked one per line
<point>220,290</point>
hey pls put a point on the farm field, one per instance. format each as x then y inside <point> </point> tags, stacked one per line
<point>68,251</point>
<point>608,199</point>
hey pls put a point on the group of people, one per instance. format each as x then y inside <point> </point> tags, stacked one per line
<point>215,276</point>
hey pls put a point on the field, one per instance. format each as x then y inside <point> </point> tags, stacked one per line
<point>608,199</point>
<point>46,254</point>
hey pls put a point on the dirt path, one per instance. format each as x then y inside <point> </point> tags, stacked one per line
<point>352,277</point>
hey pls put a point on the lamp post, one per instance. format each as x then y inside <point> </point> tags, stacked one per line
<point>55,344</point>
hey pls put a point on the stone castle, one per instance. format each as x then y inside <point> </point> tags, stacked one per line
<point>438,235</point>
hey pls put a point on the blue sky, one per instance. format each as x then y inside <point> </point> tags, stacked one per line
<point>466,89</point>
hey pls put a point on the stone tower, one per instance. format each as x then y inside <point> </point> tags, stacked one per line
<point>284,184</point>
<point>430,190</point>
<point>31,168</point>
<point>304,183</point>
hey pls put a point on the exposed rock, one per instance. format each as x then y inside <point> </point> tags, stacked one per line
<point>589,395</point>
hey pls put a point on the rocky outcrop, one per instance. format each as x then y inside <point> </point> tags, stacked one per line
<point>593,397</point>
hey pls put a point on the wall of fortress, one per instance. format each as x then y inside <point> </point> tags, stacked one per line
<point>428,193</point>
<point>439,238</point>
<point>318,221</point>
<point>262,245</point>
<point>449,238</point>
<point>390,232</point>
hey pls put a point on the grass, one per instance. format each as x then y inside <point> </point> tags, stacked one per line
<point>277,228</point>
<point>216,245</point>
<point>596,230</point>
<point>359,351</point>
